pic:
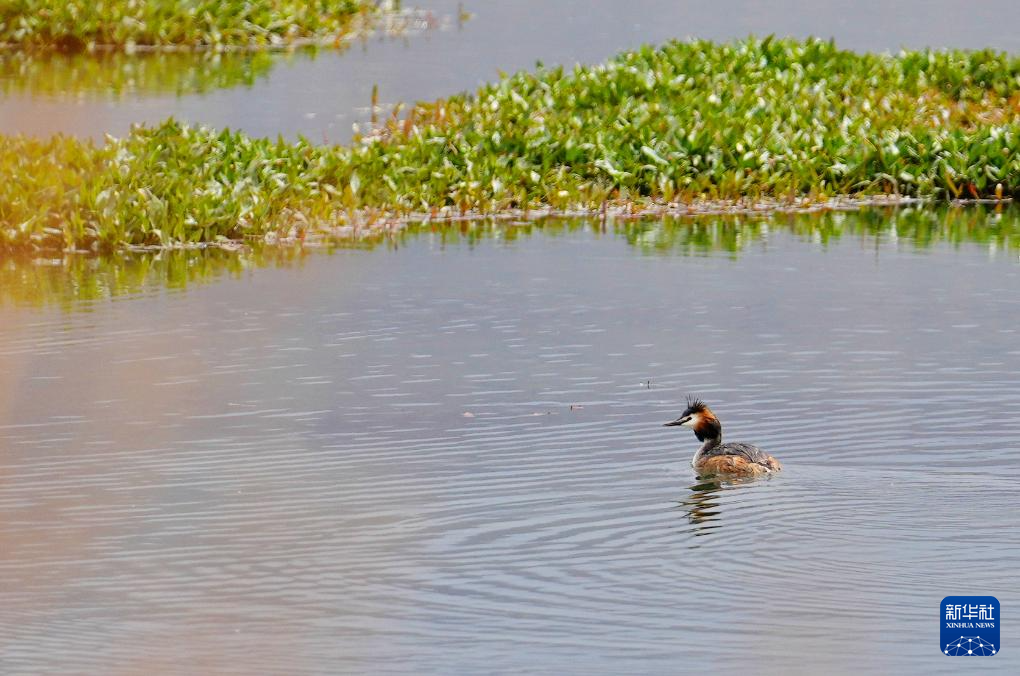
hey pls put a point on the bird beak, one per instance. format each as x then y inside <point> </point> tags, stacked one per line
<point>678,421</point>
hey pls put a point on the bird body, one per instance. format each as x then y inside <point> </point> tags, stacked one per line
<point>715,457</point>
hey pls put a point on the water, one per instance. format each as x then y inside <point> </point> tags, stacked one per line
<point>322,97</point>
<point>446,454</point>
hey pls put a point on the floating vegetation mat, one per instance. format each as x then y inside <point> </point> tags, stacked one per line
<point>76,25</point>
<point>680,129</point>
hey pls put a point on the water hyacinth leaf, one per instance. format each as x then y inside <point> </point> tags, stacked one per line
<point>73,25</point>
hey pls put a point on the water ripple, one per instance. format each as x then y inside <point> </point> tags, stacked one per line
<point>474,477</point>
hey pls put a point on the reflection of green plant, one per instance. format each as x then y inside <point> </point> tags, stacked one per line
<point>76,24</point>
<point>72,280</point>
<point>754,119</point>
<point>113,74</point>
<point>920,228</point>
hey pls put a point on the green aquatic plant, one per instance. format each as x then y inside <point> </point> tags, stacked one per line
<point>73,25</point>
<point>657,129</point>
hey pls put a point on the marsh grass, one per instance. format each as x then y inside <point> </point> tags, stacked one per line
<point>751,122</point>
<point>77,25</point>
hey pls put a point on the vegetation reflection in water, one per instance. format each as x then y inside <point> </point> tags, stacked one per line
<point>113,74</point>
<point>73,280</point>
<point>921,227</point>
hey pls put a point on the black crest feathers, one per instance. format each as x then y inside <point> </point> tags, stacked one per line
<point>694,405</point>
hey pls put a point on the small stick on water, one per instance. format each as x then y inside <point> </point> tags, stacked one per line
<point>375,103</point>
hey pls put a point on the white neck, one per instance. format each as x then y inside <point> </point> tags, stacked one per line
<point>709,444</point>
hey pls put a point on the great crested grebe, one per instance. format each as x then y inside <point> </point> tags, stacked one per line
<point>715,457</point>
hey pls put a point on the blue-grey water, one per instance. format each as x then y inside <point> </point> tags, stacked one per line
<point>446,456</point>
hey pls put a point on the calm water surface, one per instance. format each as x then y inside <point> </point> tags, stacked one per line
<point>322,97</point>
<point>447,456</point>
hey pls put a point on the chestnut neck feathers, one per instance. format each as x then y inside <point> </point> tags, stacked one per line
<point>707,428</point>
<point>703,422</point>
